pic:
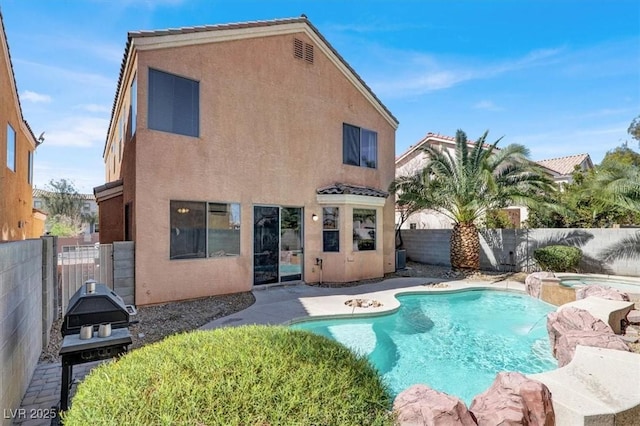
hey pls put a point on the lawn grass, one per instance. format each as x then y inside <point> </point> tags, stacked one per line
<point>250,375</point>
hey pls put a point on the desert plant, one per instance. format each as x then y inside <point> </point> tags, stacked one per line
<point>558,258</point>
<point>253,375</point>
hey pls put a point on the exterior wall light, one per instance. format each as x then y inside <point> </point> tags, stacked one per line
<point>314,217</point>
<point>183,210</point>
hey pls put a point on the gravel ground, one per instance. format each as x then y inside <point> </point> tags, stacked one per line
<point>160,321</point>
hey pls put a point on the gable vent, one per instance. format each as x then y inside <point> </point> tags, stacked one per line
<point>302,50</point>
<point>308,53</point>
<point>298,50</point>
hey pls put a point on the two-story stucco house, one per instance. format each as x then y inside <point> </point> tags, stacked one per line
<point>18,219</point>
<point>246,154</point>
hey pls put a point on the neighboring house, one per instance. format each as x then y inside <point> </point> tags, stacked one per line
<point>561,169</point>
<point>246,154</point>
<point>89,207</point>
<point>18,220</point>
<point>414,159</point>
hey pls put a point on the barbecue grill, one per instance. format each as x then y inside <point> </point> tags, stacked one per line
<point>93,307</point>
<point>95,304</point>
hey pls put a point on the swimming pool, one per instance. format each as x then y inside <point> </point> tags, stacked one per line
<point>453,342</point>
<point>626,286</point>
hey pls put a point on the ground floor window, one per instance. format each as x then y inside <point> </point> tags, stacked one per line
<point>330,229</point>
<point>204,229</point>
<point>364,229</point>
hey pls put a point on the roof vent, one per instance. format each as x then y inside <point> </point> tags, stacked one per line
<point>302,50</point>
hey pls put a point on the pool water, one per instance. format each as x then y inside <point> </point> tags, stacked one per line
<point>453,342</point>
<point>621,285</point>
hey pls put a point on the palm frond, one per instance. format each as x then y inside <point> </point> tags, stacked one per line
<point>625,249</point>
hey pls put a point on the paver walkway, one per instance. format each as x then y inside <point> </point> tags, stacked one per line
<point>43,394</point>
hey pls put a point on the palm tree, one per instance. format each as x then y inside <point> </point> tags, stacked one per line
<point>618,186</point>
<point>467,184</point>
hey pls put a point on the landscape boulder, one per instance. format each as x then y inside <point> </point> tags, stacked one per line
<point>533,282</point>
<point>514,399</point>
<point>421,405</point>
<point>572,319</point>
<point>566,344</point>
<point>602,292</point>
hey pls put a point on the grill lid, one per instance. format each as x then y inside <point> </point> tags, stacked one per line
<point>95,304</point>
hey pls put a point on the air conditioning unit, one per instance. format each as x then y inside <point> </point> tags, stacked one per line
<point>401,260</point>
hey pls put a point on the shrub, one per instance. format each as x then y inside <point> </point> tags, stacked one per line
<point>558,258</point>
<point>251,375</point>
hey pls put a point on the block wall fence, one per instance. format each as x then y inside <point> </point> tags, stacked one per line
<point>512,249</point>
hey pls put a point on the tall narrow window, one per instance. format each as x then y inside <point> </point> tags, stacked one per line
<point>134,104</point>
<point>173,104</point>
<point>364,229</point>
<point>359,146</point>
<point>11,148</point>
<point>330,229</point>
<point>30,168</point>
<point>223,229</point>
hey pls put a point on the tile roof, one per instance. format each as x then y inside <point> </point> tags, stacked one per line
<point>131,35</point>
<point>345,188</point>
<point>41,193</point>
<point>437,138</point>
<point>566,165</point>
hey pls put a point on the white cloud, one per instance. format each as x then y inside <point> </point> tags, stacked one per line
<point>487,105</point>
<point>80,132</point>
<point>428,73</point>
<point>34,97</point>
<point>595,141</point>
<point>85,175</point>
<point>77,78</point>
<point>94,108</point>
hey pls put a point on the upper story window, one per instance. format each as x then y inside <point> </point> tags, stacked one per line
<point>174,104</point>
<point>359,146</point>
<point>11,148</point>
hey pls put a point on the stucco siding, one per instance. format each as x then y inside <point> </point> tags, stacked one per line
<point>16,200</point>
<point>270,134</point>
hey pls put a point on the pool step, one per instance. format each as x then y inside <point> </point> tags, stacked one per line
<point>611,312</point>
<point>598,387</point>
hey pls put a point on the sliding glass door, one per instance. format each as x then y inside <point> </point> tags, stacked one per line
<point>290,244</point>
<point>277,244</point>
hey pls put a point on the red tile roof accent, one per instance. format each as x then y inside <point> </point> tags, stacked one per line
<point>566,165</point>
<point>345,188</point>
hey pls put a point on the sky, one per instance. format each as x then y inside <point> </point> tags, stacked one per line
<point>558,76</point>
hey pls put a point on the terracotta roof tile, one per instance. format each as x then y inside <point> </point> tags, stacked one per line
<point>565,165</point>
<point>344,188</point>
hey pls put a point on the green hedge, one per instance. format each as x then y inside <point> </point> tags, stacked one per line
<point>250,375</point>
<point>558,258</point>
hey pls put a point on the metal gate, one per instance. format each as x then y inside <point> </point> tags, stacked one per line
<point>81,263</point>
